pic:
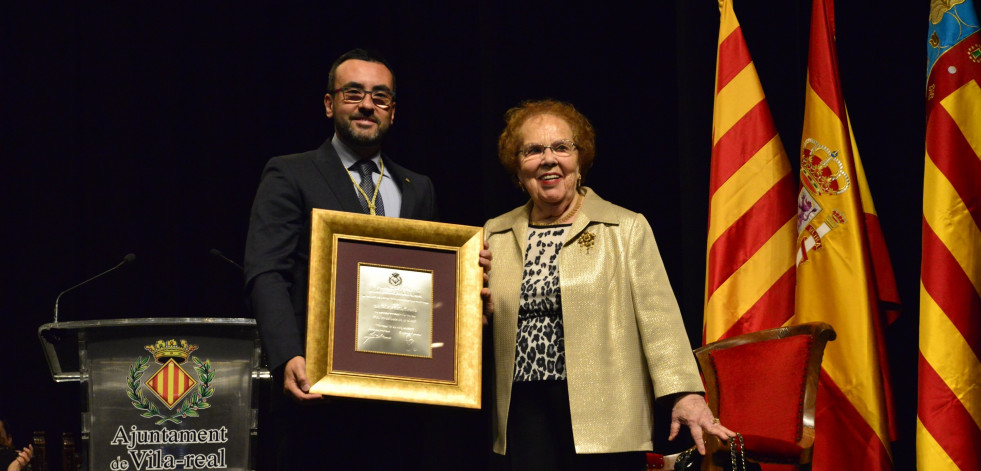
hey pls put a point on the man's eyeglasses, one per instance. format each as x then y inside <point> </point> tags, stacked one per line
<point>380,98</point>
<point>561,148</point>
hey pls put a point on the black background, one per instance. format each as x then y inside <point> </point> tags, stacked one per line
<point>143,126</point>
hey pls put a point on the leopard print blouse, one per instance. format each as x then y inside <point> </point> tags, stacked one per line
<point>540,351</point>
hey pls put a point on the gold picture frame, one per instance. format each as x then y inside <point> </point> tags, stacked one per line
<point>341,243</point>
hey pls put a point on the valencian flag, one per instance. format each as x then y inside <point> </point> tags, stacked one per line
<point>948,427</point>
<point>844,276</point>
<point>749,283</point>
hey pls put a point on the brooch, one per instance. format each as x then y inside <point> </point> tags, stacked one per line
<point>586,241</point>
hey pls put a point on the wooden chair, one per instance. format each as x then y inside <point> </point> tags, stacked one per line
<point>69,457</point>
<point>39,462</point>
<point>764,385</point>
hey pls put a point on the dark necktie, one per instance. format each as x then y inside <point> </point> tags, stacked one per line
<point>366,168</point>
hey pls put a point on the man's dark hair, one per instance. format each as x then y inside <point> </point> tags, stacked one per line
<point>367,55</point>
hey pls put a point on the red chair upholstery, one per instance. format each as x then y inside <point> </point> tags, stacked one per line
<point>764,385</point>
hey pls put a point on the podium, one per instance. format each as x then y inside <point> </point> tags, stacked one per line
<point>162,393</point>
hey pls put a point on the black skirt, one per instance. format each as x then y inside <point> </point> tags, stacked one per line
<point>539,435</point>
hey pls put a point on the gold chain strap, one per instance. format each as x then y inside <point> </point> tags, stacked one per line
<point>371,201</point>
<point>741,453</point>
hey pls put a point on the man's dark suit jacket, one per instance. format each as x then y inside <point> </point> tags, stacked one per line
<point>277,250</point>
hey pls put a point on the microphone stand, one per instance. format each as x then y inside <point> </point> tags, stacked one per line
<point>128,258</point>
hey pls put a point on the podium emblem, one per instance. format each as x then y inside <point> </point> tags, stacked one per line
<point>171,385</point>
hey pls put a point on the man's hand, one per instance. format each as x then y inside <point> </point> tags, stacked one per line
<point>485,262</point>
<point>690,409</point>
<point>295,383</point>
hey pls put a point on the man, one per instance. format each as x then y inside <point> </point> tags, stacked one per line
<point>361,102</point>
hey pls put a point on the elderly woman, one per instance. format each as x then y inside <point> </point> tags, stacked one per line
<point>587,332</point>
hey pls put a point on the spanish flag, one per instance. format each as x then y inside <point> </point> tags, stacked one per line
<point>749,283</point>
<point>844,276</point>
<point>948,426</point>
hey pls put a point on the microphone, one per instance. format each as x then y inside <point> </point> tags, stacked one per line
<point>127,259</point>
<point>217,253</point>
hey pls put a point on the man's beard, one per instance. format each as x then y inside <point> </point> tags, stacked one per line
<point>347,134</point>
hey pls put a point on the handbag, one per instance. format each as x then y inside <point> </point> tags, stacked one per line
<point>690,460</point>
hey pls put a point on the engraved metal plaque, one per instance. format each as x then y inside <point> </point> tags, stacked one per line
<point>395,310</point>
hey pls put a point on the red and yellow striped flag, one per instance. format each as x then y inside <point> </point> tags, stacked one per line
<point>749,283</point>
<point>948,426</point>
<point>844,276</point>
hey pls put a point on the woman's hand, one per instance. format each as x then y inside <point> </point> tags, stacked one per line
<point>485,262</point>
<point>690,409</point>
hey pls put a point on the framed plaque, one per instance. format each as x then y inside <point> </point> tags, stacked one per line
<point>394,309</point>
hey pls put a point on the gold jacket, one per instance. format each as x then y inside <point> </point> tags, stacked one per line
<point>625,342</point>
